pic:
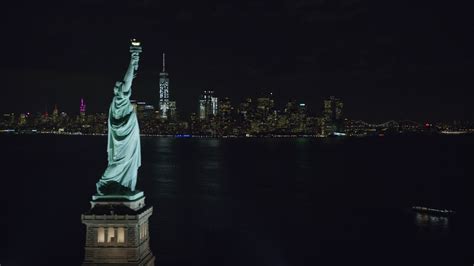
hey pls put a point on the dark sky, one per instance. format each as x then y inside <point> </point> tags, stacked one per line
<point>386,61</point>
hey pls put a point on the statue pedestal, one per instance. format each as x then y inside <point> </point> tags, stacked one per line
<point>134,202</point>
<point>117,231</point>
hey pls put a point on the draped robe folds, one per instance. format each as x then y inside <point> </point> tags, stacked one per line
<point>123,143</point>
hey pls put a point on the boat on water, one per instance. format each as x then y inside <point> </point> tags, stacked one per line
<point>439,212</point>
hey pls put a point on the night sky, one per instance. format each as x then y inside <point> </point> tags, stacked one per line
<point>386,61</point>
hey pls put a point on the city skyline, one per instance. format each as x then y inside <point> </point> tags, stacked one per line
<point>220,118</point>
<point>208,103</point>
<point>395,68</point>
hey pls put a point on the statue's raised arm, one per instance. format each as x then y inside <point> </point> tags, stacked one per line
<point>123,147</point>
<point>130,74</point>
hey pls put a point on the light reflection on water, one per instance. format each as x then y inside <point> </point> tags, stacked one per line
<point>425,220</point>
<point>209,179</point>
<point>175,168</point>
<point>167,187</point>
<point>162,168</point>
<point>252,194</point>
<point>249,201</point>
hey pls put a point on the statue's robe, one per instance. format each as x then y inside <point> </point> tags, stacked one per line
<point>123,145</point>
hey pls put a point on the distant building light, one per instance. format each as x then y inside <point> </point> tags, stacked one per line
<point>302,104</point>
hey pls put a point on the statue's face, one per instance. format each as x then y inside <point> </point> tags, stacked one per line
<point>118,84</point>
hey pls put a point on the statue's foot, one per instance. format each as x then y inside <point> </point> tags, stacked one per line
<point>114,188</point>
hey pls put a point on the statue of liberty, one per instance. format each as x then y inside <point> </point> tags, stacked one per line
<point>123,141</point>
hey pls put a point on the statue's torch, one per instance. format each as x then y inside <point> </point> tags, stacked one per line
<point>135,48</point>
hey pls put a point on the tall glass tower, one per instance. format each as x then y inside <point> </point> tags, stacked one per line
<point>164,104</point>
<point>332,116</point>
<point>208,105</point>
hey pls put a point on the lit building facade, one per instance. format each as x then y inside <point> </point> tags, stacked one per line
<point>208,105</point>
<point>332,116</point>
<point>333,108</point>
<point>82,108</point>
<point>264,106</point>
<point>55,113</point>
<point>225,108</point>
<point>172,110</point>
<point>164,104</point>
<point>82,111</point>
<point>245,108</point>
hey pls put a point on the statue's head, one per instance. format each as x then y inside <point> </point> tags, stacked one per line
<point>118,85</point>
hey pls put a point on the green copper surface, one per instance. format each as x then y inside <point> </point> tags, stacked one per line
<point>123,144</point>
<point>135,196</point>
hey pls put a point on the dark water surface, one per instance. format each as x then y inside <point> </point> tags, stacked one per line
<point>250,201</point>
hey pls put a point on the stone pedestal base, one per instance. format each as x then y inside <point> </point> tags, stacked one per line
<point>134,202</point>
<point>117,232</point>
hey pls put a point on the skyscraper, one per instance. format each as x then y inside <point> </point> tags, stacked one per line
<point>55,113</point>
<point>214,105</point>
<point>224,115</point>
<point>244,109</point>
<point>142,109</point>
<point>225,108</point>
<point>172,110</point>
<point>164,92</point>
<point>82,108</point>
<point>208,105</point>
<point>265,105</point>
<point>82,111</point>
<point>333,108</point>
<point>332,116</point>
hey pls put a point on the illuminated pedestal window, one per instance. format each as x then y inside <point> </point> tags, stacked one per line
<point>118,235</point>
<point>113,235</point>
<point>100,235</point>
